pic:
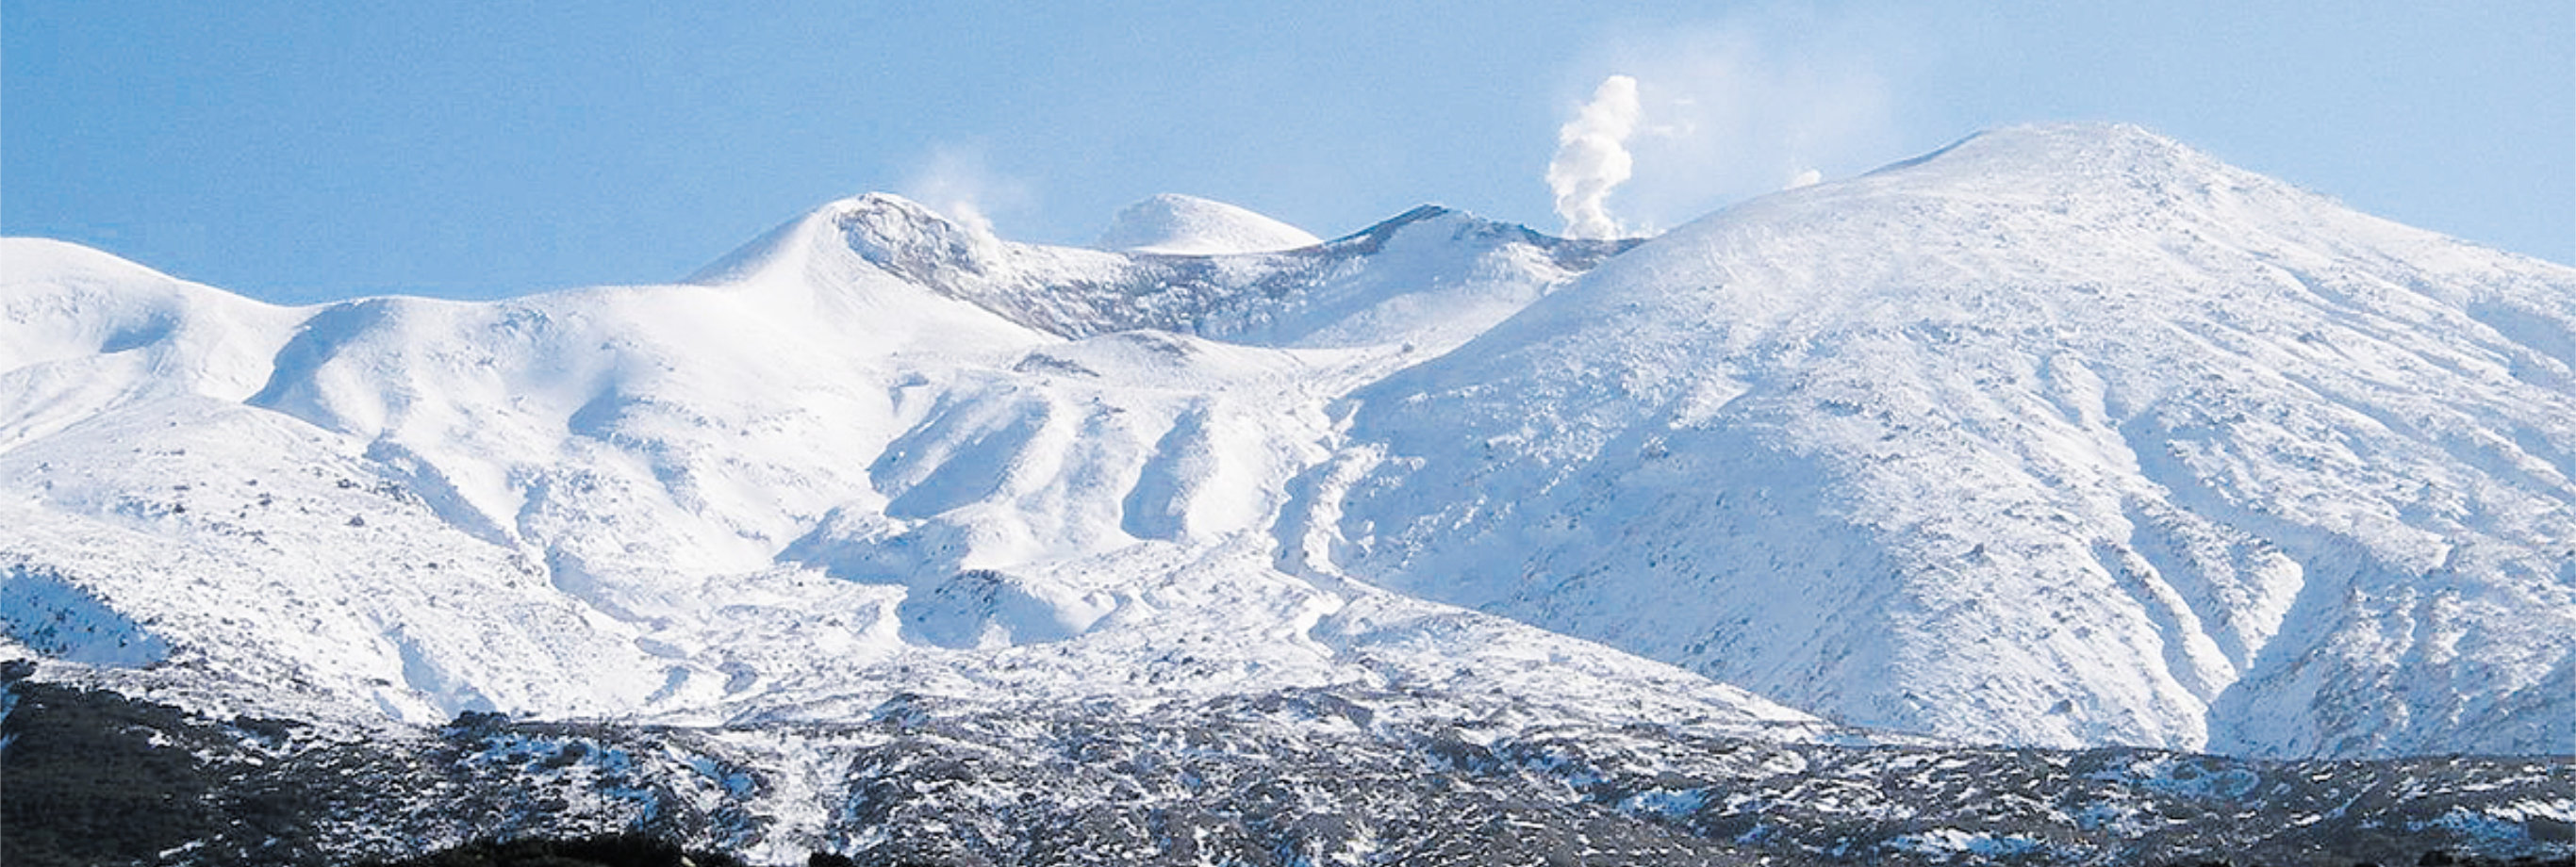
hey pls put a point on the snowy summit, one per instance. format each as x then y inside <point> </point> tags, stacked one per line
<point>1176,225</point>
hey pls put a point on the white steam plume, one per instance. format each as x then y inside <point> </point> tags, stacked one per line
<point>1745,103</point>
<point>1592,159</point>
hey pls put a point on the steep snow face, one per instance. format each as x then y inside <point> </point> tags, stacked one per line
<point>1177,225</point>
<point>2061,435</point>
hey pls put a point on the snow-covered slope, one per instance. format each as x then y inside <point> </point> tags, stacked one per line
<point>1174,224</point>
<point>871,453</point>
<point>2063,435</point>
<point>2060,435</point>
<point>83,332</point>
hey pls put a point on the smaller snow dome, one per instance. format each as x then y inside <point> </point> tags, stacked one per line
<point>1178,225</point>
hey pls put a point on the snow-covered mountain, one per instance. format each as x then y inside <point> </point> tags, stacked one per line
<point>871,453</point>
<point>2060,436</point>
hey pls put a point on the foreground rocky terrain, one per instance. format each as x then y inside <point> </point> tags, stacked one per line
<point>1319,776</point>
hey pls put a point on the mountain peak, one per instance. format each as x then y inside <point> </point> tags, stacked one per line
<point>890,231</point>
<point>1175,224</point>
<point>883,207</point>
<point>2091,158</point>
<point>907,237</point>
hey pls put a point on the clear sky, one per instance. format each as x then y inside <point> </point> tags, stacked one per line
<point>302,151</point>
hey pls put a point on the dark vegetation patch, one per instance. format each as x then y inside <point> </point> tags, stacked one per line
<point>1294,777</point>
<point>606,850</point>
<point>93,778</point>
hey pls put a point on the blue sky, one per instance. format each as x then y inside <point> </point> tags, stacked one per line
<point>307,151</point>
